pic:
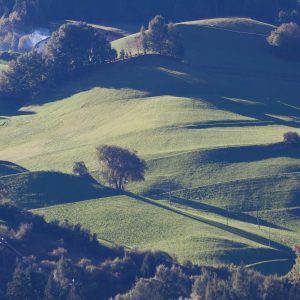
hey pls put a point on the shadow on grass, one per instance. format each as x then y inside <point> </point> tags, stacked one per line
<point>225,124</point>
<point>41,189</point>
<point>250,153</point>
<point>224,213</point>
<point>229,229</point>
<point>9,168</point>
<point>156,76</point>
<point>256,258</point>
<point>12,109</point>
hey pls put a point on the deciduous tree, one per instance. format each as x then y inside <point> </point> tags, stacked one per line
<point>120,165</point>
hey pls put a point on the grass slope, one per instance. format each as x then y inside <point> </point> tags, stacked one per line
<point>39,189</point>
<point>209,126</point>
<point>189,233</point>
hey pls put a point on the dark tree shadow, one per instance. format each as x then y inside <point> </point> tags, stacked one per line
<point>42,189</point>
<point>264,95</point>
<point>9,168</point>
<point>236,231</point>
<point>239,216</point>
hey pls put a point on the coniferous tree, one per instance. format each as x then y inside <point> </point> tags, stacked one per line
<point>51,289</point>
<point>21,286</point>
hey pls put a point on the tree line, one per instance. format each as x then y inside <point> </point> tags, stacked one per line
<point>74,47</point>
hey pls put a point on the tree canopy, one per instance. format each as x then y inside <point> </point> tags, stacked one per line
<point>162,38</point>
<point>120,165</point>
<point>71,48</point>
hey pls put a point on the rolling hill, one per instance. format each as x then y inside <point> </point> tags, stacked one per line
<point>210,129</point>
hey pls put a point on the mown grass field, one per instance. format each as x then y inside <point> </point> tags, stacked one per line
<point>210,129</point>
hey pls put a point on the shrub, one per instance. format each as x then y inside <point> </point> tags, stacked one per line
<point>23,231</point>
<point>285,40</point>
<point>122,54</point>
<point>80,168</point>
<point>291,138</point>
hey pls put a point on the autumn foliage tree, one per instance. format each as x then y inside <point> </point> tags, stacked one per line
<point>120,165</point>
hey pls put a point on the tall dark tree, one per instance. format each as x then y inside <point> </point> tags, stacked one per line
<point>162,38</point>
<point>157,34</point>
<point>120,165</point>
<point>21,287</point>
<point>75,46</point>
<point>25,76</point>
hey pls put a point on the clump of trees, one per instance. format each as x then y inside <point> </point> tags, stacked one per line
<point>162,38</point>
<point>73,47</point>
<point>120,165</point>
<point>285,40</point>
<point>291,138</point>
<point>237,283</point>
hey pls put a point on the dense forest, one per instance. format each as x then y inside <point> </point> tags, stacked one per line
<point>133,11</point>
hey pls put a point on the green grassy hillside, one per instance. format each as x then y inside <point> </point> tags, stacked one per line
<point>190,233</point>
<point>210,129</point>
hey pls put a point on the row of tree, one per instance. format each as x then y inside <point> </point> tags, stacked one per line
<point>73,47</point>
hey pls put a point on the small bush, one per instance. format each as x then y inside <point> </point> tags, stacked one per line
<point>285,40</point>
<point>80,168</point>
<point>23,231</point>
<point>291,138</point>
